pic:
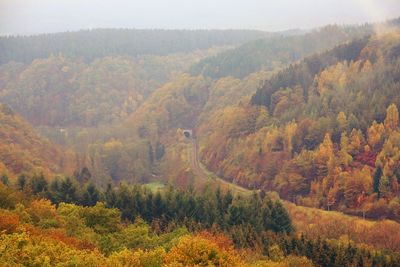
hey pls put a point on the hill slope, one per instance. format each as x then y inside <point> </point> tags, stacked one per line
<point>65,92</point>
<point>275,52</point>
<point>23,151</point>
<point>323,132</point>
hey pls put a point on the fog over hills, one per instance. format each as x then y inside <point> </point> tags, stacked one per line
<point>43,16</point>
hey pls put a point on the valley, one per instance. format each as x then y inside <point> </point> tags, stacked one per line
<point>201,147</point>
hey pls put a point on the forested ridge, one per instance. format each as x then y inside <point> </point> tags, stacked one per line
<point>92,44</point>
<point>281,49</point>
<point>276,52</point>
<point>331,121</point>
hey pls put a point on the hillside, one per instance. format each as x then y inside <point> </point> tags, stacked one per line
<point>22,151</point>
<point>311,133</point>
<point>150,136</point>
<point>92,44</point>
<point>61,91</point>
<point>145,137</point>
<point>276,52</point>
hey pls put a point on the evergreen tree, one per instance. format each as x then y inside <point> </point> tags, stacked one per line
<point>160,150</point>
<point>4,179</point>
<point>21,182</point>
<point>376,181</point>
<point>110,197</point>
<point>151,153</point>
<point>67,191</point>
<point>227,201</point>
<point>91,195</point>
<point>236,215</point>
<point>158,206</point>
<point>280,220</point>
<point>38,184</point>
<point>148,213</point>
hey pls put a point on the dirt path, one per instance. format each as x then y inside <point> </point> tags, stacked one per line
<point>201,172</point>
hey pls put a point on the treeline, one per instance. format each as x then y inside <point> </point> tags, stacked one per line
<point>91,44</point>
<point>328,252</point>
<point>276,52</point>
<point>194,210</point>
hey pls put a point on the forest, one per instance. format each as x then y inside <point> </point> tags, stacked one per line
<point>122,147</point>
<point>97,43</point>
<point>57,223</point>
<point>337,152</point>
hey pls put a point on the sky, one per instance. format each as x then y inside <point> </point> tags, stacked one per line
<point>26,17</point>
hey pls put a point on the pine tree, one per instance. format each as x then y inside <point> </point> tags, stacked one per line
<point>376,182</point>
<point>38,184</point>
<point>280,220</point>
<point>148,213</point>
<point>4,179</point>
<point>91,195</point>
<point>21,182</point>
<point>151,153</point>
<point>67,191</point>
<point>110,197</point>
<point>384,186</point>
<point>158,208</point>
<point>160,150</point>
<point>227,201</point>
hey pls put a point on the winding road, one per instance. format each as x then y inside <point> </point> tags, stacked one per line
<point>201,172</point>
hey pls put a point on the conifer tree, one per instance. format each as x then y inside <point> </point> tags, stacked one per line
<point>376,180</point>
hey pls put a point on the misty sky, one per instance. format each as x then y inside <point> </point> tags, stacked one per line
<point>39,16</point>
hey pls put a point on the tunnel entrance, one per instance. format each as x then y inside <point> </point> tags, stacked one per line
<point>188,133</point>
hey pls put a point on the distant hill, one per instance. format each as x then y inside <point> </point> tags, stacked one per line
<point>66,91</point>
<point>91,44</point>
<point>278,51</point>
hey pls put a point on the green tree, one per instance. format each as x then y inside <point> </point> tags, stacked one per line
<point>21,182</point>
<point>38,184</point>
<point>280,219</point>
<point>91,195</point>
<point>67,192</point>
<point>376,180</point>
<point>103,220</point>
<point>4,179</point>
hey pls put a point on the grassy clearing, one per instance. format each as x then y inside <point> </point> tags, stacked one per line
<point>155,186</point>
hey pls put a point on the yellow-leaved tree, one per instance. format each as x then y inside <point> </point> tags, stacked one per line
<point>200,251</point>
<point>375,134</point>
<point>392,118</point>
